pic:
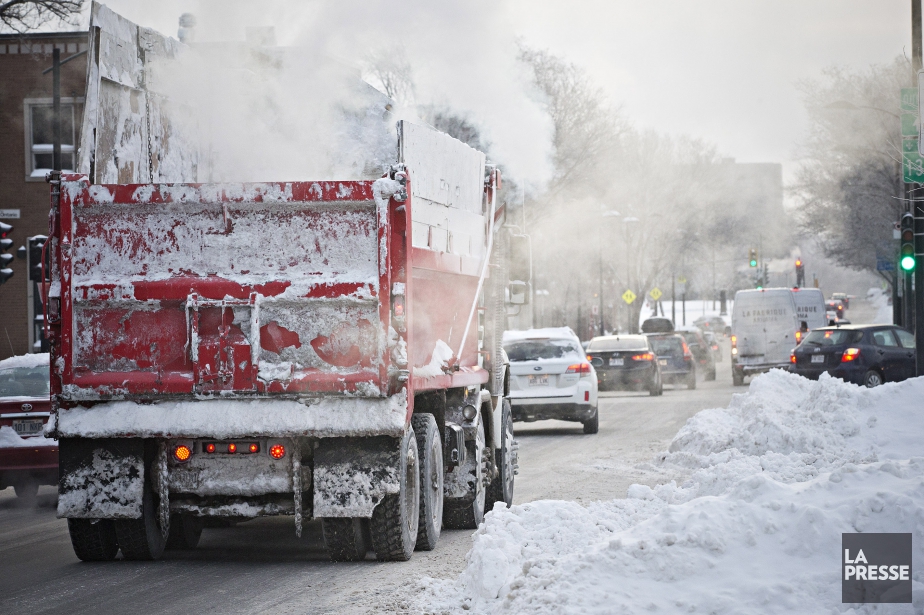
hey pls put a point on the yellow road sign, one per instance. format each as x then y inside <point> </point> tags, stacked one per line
<point>655,293</point>
<point>628,296</point>
<point>682,279</point>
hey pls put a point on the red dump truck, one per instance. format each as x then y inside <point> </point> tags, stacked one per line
<point>319,349</point>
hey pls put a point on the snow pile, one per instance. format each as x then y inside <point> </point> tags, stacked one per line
<point>777,477</point>
<point>880,301</point>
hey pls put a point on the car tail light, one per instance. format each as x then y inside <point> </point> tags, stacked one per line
<point>277,451</point>
<point>647,356</point>
<point>579,368</point>
<point>586,395</point>
<point>182,453</point>
<point>232,448</point>
<point>792,358</point>
<point>850,354</point>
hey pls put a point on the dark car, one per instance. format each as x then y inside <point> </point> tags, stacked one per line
<point>27,458</point>
<point>677,363</point>
<point>701,349</point>
<point>835,306</point>
<point>843,298</point>
<point>862,354</point>
<point>658,325</point>
<point>713,341</point>
<point>625,362</point>
<point>716,324</point>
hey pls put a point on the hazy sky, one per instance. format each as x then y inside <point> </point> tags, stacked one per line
<point>723,70</point>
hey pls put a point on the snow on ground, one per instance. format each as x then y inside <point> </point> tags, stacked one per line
<point>880,300</point>
<point>776,478</point>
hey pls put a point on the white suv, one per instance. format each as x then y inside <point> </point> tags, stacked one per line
<point>551,378</point>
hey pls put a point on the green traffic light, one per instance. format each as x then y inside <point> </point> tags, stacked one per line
<point>753,263</point>
<point>907,263</point>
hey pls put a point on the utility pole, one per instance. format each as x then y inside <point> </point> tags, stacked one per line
<point>56,105</point>
<point>917,206</point>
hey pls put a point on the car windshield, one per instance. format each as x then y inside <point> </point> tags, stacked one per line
<point>666,346</point>
<point>617,343</point>
<point>24,382</point>
<point>535,350</point>
<point>822,337</point>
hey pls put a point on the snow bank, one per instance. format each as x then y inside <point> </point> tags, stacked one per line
<point>777,477</point>
<point>26,360</point>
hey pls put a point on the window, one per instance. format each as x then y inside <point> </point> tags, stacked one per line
<point>884,338</point>
<point>905,338</point>
<point>40,136</point>
<point>536,350</point>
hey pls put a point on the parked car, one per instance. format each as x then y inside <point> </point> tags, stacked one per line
<point>716,324</point>
<point>551,378</point>
<point>625,362</point>
<point>862,354</point>
<point>702,351</point>
<point>675,360</point>
<point>27,458</point>
<point>843,298</point>
<point>712,340</point>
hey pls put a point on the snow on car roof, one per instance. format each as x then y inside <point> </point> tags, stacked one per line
<point>540,334</point>
<point>25,360</point>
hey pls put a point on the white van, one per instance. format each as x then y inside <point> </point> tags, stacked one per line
<point>810,307</point>
<point>764,327</point>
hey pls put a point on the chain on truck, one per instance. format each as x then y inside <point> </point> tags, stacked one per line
<point>320,350</point>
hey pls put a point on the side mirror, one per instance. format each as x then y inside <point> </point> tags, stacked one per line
<point>519,293</point>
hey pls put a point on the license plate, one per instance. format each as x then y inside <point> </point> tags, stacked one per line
<point>662,361</point>
<point>539,381</point>
<point>615,361</point>
<point>818,358</point>
<point>27,427</point>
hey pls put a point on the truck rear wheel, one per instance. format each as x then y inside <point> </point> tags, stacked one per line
<point>430,448</point>
<point>467,512</point>
<point>94,540</point>
<point>501,488</point>
<point>394,520</point>
<point>142,539</point>
<point>185,531</point>
<point>346,539</point>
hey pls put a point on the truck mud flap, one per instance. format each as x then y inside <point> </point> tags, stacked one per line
<point>100,478</point>
<point>352,475</point>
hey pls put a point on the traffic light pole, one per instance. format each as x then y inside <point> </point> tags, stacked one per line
<point>917,207</point>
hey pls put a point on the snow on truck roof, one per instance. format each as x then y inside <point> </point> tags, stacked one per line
<point>539,334</point>
<point>26,360</point>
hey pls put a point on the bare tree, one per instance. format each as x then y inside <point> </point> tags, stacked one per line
<point>390,70</point>
<point>24,15</point>
<point>850,183</point>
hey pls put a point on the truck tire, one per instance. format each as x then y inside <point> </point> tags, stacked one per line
<point>592,425</point>
<point>142,539</point>
<point>185,532</point>
<point>711,374</point>
<point>346,539</point>
<point>691,380</point>
<point>94,540</point>
<point>501,488</point>
<point>394,520</point>
<point>467,513</point>
<point>430,448</point>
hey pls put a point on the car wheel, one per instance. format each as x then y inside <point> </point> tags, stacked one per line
<point>655,389</point>
<point>691,381</point>
<point>737,378</point>
<point>94,540</point>
<point>711,375</point>
<point>592,425</point>
<point>872,378</point>
<point>393,526</point>
<point>505,457</point>
<point>142,539</point>
<point>26,490</point>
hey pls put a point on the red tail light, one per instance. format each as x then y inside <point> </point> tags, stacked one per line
<point>647,356</point>
<point>182,453</point>
<point>232,448</point>
<point>850,354</point>
<point>277,451</point>
<point>210,447</point>
<point>792,358</point>
<point>254,448</point>
<point>579,368</point>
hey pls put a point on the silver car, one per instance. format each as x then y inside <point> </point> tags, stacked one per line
<point>551,378</point>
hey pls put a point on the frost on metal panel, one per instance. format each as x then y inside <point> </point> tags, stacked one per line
<point>110,487</point>
<point>447,183</point>
<point>351,478</point>
<point>245,475</point>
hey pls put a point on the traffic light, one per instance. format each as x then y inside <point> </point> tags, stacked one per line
<point>753,257</point>
<point>800,273</point>
<point>906,258</point>
<point>5,259</point>
<point>35,258</point>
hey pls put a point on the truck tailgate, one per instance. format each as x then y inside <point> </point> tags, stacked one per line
<point>231,289</point>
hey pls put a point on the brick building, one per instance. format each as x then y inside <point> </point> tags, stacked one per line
<point>25,135</point>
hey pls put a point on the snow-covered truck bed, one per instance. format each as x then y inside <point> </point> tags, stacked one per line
<point>319,349</point>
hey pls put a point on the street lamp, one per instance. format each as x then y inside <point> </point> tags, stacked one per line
<point>605,213</point>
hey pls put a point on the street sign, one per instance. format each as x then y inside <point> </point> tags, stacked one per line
<point>628,296</point>
<point>912,168</point>
<point>910,99</point>
<point>681,279</point>
<point>910,125</point>
<point>655,293</point>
